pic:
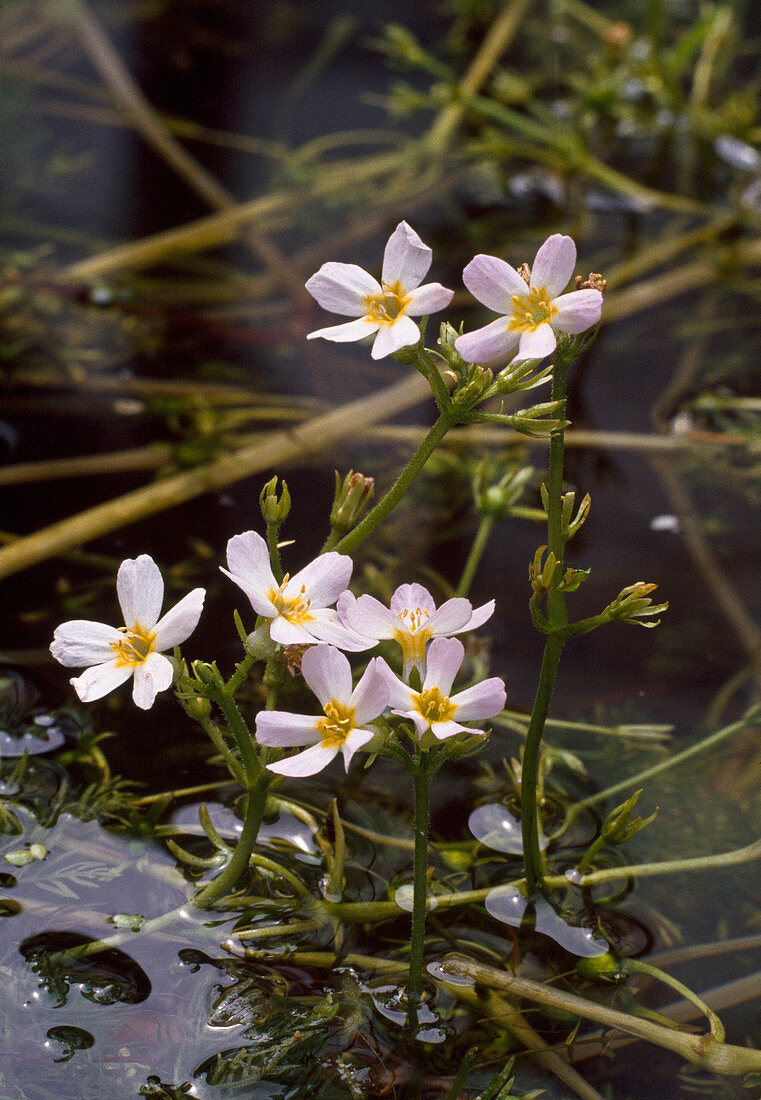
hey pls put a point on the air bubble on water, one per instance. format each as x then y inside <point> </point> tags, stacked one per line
<point>507,904</point>
<point>440,971</point>
<point>494,826</point>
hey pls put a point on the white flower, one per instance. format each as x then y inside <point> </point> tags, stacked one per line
<point>298,609</point>
<point>533,312</point>
<point>432,708</point>
<point>386,307</point>
<point>412,620</point>
<point>134,649</point>
<point>345,712</point>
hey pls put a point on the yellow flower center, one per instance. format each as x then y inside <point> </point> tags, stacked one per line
<point>385,308</point>
<point>135,647</point>
<point>413,634</point>
<point>434,706</point>
<point>293,608</point>
<point>336,726</point>
<point>531,311</point>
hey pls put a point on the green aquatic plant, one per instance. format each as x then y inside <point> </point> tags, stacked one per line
<point>405,711</point>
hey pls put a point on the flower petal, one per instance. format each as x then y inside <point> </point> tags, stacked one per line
<point>366,616</point>
<point>421,724</point>
<point>155,674</point>
<point>356,740</point>
<point>494,282</point>
<point>411,597</point>
<point>180,621</point>
<point>479,616</point>
<point>442,730</point>
<point>99,680</point>
<point>577,311</point>
<point>346,333</point>
<point>323,580</point>
<point>342,288</point>
<point>287,633</point>
<point>309,762</point>
<point>554,264</point>
<point>493,341</point>
<point>281,729</point>
<point>452,617</point>
<point>429,299</point>
<point>140,589</point>
<point>405,259</point>
<point>443,663</point>
<point>81,642</point>
<point>399,694</point>
<point>401,334</point>
<point>328,673</point>
<point>249,567</point>
<point>483,700</point>
<point>325,627</point>
<point>537,344</point>
<point>370,696</point>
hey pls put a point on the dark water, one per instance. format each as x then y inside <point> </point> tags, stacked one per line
<point>244,68</point>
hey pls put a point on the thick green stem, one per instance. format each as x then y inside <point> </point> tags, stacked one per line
<point>557,618</point>
<point>374,518</point>
<point>476,553</point>
<point>224,882</point>
<point>532,855</point>
<point>420,890</point>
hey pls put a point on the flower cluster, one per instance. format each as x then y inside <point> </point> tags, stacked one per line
<point>297,611</point>
<point>314,608</point>
<point>413,621</point>
<point>532,306</point>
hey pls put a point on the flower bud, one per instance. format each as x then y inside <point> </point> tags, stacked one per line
<point>197,707</point>
<point>352,496</point>
<point>275,510</point>
<point>259,644</point>
<point>207,674</point>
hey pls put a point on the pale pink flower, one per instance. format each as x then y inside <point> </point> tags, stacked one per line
<point>533,312</point>
<point>433,708</point>
<point>385,308</point>
<point>135,649</point>
<point>299,608</point>
<point>412,620</point>
<point>342,725</point>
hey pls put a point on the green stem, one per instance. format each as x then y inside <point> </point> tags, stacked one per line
<point>532,855</point>
<point>277,569</point>
<point>639,967</point>
<point>374,518</point>
<point>242,735</point>
<point>224,882</point>
<point>476,553</point>
<point>240,674</point>
<point>700,1050</point>
<point>558,619</point>
<point>420,891</point>
<point>748,854</point>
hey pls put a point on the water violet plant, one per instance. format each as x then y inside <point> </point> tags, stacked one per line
<point>408,695</point>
